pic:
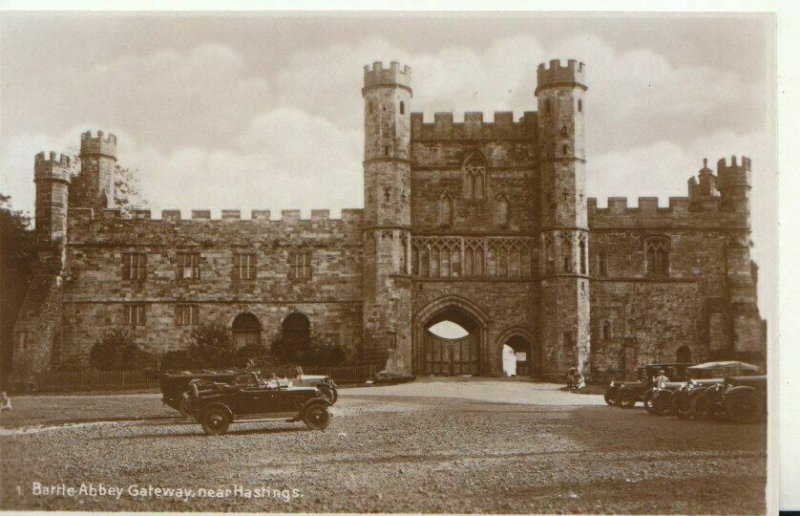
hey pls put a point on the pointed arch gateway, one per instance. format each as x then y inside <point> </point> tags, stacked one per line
<point>435,355</point>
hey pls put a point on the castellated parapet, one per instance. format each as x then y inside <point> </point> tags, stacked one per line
<point>105,145</point>
<point>377,75</point>
<point>557,75</point>
<point>735,174</point>
<point>53,166</point>
<point>474,128</point>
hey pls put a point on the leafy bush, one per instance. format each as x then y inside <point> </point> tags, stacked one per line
<point>180,359</point>
<point>314,351</point>
<point>211,345</point>
<point>255,352</point>
<point>117,350</point>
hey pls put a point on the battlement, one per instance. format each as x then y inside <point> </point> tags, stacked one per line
<point>557,75</point>
<point>737,174</point>
<point>352,216</point>
<point>376,75</point>
<point>52,166</point>
<point>100,144</point>
<point>619,206</point>
<point>473,126</point>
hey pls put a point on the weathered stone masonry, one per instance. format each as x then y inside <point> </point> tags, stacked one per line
<point>485,224</point>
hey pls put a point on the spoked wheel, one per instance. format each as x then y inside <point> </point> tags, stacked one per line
<point>648,401</point>
<point>700,406</point>
<point>216,421</point>
<point>317,417</point>
<point>611,396</point>
<point>682,405</point>
<point>627,398</point>
<point>662,403</point>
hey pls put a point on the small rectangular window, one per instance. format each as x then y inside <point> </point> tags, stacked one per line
<point>300,265</point>
<point>244,266</point>
<point>187,315</point>
<point>188,266</point>
<point>134,266</point>
<point>134,314</point>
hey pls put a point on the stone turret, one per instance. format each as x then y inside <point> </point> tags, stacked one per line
<point>52,178</point>
<point>94,187</point>
<point>564,267</point>
<point>387,216</point>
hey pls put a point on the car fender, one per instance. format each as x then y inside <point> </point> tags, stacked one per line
<point>216,404</point>
<point>738,391</point>
<point>314,401</point>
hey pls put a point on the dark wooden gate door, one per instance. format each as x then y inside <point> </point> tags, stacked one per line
<point>450,357</point>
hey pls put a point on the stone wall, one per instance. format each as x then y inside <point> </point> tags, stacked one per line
<point>95,292</point>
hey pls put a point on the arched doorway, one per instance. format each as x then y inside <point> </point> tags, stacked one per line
<point>451,344</point>
<point>509,361</point>
<point>684,354</point>
<point>521,348</point>
<point>296,331</point>
<point>246,330</point>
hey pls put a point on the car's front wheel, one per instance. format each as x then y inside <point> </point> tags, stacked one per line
<point>627,398</point>
<point>611,396</point>
<point>742,407</point>
<point>216,421</point>
<point>317,417</point>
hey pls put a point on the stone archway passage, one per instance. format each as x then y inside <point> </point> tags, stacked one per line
<point>246,330</point>
<point>522,351</point>
<point>451,357</point>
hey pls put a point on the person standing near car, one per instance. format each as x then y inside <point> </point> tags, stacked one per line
<point>571,378</point>
<point>661,380</point>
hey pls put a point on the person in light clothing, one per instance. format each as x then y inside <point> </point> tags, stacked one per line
<point>661,380</point>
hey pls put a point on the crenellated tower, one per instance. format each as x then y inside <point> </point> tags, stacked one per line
<point>564,239</point>
<point>94,186</point>
<point>734,183</point>
<point>52,176</point>
<point>387,216</point>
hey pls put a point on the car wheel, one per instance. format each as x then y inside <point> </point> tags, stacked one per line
<point>742,407</point>
<point>611,396</point>
<point>627,398</point>
<point>682,405</point>
<point>648,401</point>
<point>317,417</point>
<point>662,403</point>
<point>185,405</point>
<point>700,405</point>
<point>216,421</point>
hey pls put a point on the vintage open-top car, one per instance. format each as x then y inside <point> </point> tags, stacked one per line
<point>625,394</point>
<point>681,398</point>
<point>741,399</point>
<point>176,389</point>
<point>216,405</point>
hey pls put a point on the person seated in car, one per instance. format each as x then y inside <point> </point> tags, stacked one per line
<point>661,380</point>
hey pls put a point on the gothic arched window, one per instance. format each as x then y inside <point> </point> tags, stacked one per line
<point>446,210</point>
<point>474,176</point>
<point>402,108</point>
<point>501,210</point>
<point>657,256</point>
<point>566,253</point>
<point>550,256</point>
<point>582,246</point>
<point>607,331</point>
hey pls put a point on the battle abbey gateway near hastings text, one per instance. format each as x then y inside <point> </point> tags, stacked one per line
<point>485,224</point>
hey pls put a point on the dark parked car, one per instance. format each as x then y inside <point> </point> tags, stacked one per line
<point>216,405</point>
<point>175,386</point>
<point>682,401</point>
<point>741,399</point>
<point>626,393</point>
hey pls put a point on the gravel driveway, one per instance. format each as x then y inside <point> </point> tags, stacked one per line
<point>427,446</point>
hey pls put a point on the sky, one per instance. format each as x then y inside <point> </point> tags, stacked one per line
<point>264,110</point>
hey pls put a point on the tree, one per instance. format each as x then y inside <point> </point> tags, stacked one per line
<point>118,350</point>
<point>17,253</point>
<point>211,345</point>
<point>127,195</point>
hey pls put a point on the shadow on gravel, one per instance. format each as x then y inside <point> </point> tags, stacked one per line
<point>199,433</point>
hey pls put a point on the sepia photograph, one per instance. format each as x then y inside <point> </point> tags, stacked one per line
<point>388,261</point>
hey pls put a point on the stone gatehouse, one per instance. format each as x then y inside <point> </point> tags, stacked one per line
<point>484,224</point>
